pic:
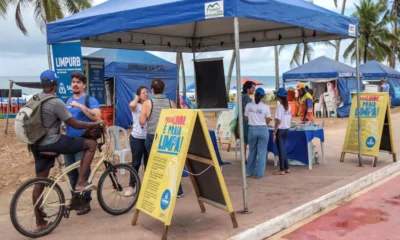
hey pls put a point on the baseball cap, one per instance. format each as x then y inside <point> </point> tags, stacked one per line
<point>260,92</point>
<point>48,76</point>
<point>301,85</point>
<point>281,92</point>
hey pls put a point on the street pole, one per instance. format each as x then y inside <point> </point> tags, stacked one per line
<point>358,104</point>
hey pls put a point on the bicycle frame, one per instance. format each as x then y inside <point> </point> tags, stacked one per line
<point>63,174</point>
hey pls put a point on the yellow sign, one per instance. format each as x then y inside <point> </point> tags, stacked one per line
<point>173,147</point>
<point>376,126</point>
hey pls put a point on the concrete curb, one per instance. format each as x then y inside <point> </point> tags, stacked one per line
<point>300,213</point>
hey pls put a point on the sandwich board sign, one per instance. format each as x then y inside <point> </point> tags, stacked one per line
<point>226,124</point>
<point>174,147</point>
<point>376,130</point>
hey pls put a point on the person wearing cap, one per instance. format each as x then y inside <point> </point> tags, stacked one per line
<point>258,116</point>
<point>53,112</point>
<point>283,120</point>
<point>306,103</point>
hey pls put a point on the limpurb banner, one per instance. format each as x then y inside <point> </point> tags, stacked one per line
<point>67,58</point>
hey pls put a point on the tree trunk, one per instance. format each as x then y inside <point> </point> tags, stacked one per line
<point>276,67</point>
<point>366,49</point>
<point>304,53</point>
<point>49,57</point>
<point>183,77</point>
<point>228,82</point>
<point>338,41</point>
<point>393,65</point>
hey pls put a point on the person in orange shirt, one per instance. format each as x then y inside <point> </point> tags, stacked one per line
<point>306,103</point>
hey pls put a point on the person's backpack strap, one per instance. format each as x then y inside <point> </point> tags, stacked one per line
<point>87,100</point>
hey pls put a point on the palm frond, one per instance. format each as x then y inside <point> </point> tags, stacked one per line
<point>74,6</point>
<point>296,56</point>
<point>18,16</point>
<point>3,8</point>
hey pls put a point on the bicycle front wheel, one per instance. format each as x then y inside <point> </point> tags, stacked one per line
<point>118,189</point>
<point>36,208</point>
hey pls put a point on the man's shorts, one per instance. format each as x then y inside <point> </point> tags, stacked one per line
<point>64,145</point>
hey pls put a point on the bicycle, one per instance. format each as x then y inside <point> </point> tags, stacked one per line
<point>114,172</point>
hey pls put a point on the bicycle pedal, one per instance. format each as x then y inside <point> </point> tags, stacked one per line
<point>67,212</point>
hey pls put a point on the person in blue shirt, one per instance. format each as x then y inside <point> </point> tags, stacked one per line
<point>76,104</point>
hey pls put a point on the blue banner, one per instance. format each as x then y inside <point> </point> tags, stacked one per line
<point>94,71</point>
<point>67,58</point>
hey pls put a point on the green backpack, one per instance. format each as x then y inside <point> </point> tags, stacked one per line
<point>28,125</point>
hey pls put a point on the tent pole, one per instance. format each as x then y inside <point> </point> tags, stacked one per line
<point>228,84</point>
<point>49,57</point>
<point>114,101</point>
<point>9,104</point>
<point>183,76</point>
<point>358,104</point>
<point>178,66</point>
<point>239,97</point>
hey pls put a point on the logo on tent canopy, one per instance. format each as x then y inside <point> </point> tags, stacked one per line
<point>214,9</point>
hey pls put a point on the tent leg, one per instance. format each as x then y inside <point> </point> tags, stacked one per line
<point>358,104</point>
<point>183,77</point>
<point>178,64</point>
<point>49,57</point>
<point>239,97</point>
<point>9,103</point>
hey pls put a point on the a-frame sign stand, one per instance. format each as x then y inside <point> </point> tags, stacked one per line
<point>376,130</point>
<point>181,138</point>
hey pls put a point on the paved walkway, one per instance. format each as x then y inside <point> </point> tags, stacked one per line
<point>372,215</point>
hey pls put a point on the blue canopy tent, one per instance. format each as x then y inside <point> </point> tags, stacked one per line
<point>202,26</point>
<point>132,69</point>
<point>323,70</point>
<point>374,71</point>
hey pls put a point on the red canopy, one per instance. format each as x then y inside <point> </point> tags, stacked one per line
<point>255,81</point>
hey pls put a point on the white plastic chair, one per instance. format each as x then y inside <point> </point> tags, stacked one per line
<point>330,105</point>
<point>317,109</point>
<point>118,149</point>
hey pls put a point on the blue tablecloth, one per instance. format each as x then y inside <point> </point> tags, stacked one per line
<point>296,143</point>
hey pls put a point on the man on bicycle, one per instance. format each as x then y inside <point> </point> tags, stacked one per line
<point>85,108</point>
<point>53,112</point>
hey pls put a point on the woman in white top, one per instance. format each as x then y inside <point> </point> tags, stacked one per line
<point>283,120</point>
<point>258,116</point>
<point>138,136</point>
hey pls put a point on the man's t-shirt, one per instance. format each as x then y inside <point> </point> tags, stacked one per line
<point>79,115</point>
<point>53,112</point>
<point>385,88</point>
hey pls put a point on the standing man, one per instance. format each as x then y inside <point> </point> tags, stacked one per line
<point>385,87</point>
<point>306,104</point>
<point>87,109</point>
<point>248,89</point>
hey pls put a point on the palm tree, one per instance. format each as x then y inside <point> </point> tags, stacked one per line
<point>338,41</point>
<point>374,35</point>
<point>3,8</point>
<point>46,10</point>
<point>304,51</point>
<point>393,8</point>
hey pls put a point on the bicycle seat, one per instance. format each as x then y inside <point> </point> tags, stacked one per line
<point>48,154</point>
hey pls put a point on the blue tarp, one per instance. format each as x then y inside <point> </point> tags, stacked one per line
<point>320,68</point>
<point>130,75</point>
<point>323,69</point>
<point>374,71</point>
<point>122,15</point>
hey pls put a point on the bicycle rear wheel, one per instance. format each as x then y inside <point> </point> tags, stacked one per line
<point>112,188</point>
<point>49,215</point>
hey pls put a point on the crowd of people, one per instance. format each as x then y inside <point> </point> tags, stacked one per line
<point>80,117</point>
<point>257,117</point>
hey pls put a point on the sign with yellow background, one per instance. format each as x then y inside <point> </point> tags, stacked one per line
<point>173,147</point>
<point>164,168</point>
<point>374,114</point>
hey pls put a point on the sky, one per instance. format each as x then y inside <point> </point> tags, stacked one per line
<point>22,55</point>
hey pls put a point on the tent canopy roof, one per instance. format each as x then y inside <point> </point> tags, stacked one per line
<point>129,56</point>
<point>375,69</point>
<point>187,25</point>
<point>319,69</point>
